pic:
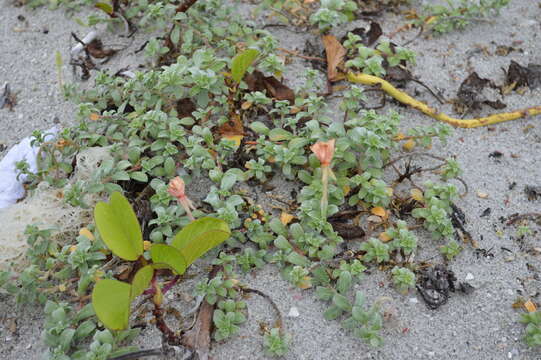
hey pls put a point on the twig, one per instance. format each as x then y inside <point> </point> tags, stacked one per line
<point>279,321</point>
<point>413,155</point>
<point>415,37</point>
<point>302,56</point>
<point>139,354</point>
<point>516,217</point>
<point>437,97</point>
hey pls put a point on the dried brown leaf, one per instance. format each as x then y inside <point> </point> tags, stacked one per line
<point>335,55</point>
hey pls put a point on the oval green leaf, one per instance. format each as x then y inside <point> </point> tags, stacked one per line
<point>141,280</point>
<point>119,227</point>
<point>168,255</point>
<point>242,62</point>
<point>111,302</point>
<point>200,236</point>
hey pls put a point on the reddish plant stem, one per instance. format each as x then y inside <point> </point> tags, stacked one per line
<point>166,287</point>
<point>169,335</point>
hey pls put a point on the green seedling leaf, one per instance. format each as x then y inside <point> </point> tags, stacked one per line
<point>168,255</point>
<point>111,302</point>
<point>242,62</point>
<point>200,236</point>
<point>141,280</point>
<point>119,227</point>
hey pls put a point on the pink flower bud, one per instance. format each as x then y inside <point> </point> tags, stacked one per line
<point>324,150</point>
<point>176,188</point>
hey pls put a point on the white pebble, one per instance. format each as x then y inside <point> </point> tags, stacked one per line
<point>469,277</point>
<point>293,312</point>
<point>413,300</point>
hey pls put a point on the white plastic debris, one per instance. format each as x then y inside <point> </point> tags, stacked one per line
<point>86,40</point>
<point>293,312</point>
<point>11,188</point>
<point>469,277</point>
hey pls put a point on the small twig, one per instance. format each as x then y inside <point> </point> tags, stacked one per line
<point>139,354</point>
<point>516,217</point>
<point>415,37</point>
<point>294,53</point>
<point>437,97</point>
<point>413,155</point>
<point>279,321</point>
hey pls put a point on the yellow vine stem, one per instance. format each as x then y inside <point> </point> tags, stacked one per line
<point>405,99</point>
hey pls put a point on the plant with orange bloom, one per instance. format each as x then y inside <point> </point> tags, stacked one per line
<point>324,151</point>
<point>176,188</point>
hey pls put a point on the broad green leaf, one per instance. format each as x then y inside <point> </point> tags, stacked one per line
<point>140,281</point>
<point>332,312</point>
<point>111,302</point>
<point>344,282</point>
<point>324,293</point>
<point>139,176</point>
<point>297,259</point>
<point>119,227</point>
<point>242,62</point>
<point>200,236</point>
<point>278,134</point>
<point>168,255</point>
<point>341,301</point>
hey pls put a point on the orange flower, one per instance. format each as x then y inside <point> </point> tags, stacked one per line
<point>176,188</point>
<point>324,151</point>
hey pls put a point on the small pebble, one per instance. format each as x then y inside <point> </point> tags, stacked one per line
<point>293,312</point>
<point>469,277</point>
<point>510,292</point>
<point>414,300</point>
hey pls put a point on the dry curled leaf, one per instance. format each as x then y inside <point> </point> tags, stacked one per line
<point>379,211</point>
<point>335,55</point>
<point>286,218</point>
<point>87,234</point>
<point>409,145</point>
<point>384,237</point>
<point>416,195</point>
<point>530,306</point>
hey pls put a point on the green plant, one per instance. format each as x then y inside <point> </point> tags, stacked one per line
<point>365,324</point>
<point>451,250</point>
<point>257,169</point>
<point>121,232</point>
<point>227,318</point>
<point>402,239</point>
<point>459,14</point>
<point>276,343</point>
<point>403,279</point>
<point>375,250</point>
<point>532,321</point>
<point>216,288</point>
<point>450,170</point>
<point>438,200</point>
<point>333,13</point>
